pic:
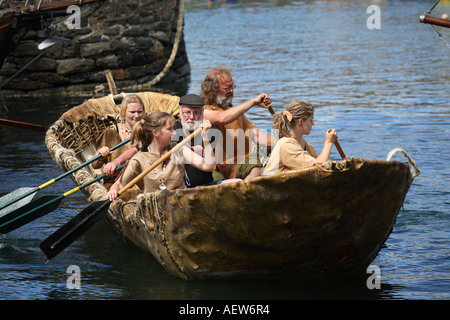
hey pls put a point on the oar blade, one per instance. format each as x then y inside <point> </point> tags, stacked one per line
<point>74,228</point>
<point>20,194</point>
<point>9,202</point>
<point>28,213</point>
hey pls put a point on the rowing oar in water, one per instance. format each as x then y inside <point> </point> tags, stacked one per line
<point>23,125</point>
<point>39,207</point>
<point>75,227</point>
<point>28,193</point>
<point>338,146</point>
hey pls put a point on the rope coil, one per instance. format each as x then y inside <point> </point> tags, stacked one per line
<point>176,44</point>
<point>411,161</point>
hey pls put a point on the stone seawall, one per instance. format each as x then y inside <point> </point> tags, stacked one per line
<point>141,42</point>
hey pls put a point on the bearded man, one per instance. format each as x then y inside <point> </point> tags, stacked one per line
<point>191,115</point>
<point>236,130</point>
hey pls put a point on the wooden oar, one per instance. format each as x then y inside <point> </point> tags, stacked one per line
<point>75,227</point>
<point>42,186</point>
<point>339,149</point>
<point>338,146</point>
<point>39,207</point>
<point>24,125</point>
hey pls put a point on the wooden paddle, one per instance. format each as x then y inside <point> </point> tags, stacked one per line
<point>39,207</point>
<point>6,201</point>
<point>75,227</point>
<point>339,149</point>
<point>24,125</point>
<point>338,146</point>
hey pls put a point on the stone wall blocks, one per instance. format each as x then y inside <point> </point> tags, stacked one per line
<point>95,49</point>
<point>43,64</point>
<point>114,30</point>
<point>135,31</point>
<point>161,36</point>
<point>97,77</point>
<point>26,48</point>
<point>144,42</point>
<point>122,46</point>
<point>110,61</point>
<point>74,66</point>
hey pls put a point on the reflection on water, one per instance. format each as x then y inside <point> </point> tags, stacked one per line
<point>380,89</point>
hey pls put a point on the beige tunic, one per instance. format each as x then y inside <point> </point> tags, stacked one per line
<point>170,173</point>
<point>289,154</point>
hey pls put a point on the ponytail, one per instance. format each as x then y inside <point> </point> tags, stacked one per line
<point>286,120</point>
<point>143,130</point>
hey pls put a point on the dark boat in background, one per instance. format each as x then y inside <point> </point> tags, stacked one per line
<point>15,22</point>
<point>64,47</point>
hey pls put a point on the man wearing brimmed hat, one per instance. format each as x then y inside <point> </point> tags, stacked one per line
<point>191,115</point>
<point>191,111</point>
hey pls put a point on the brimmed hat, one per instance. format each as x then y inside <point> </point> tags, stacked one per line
<point>192,100</point>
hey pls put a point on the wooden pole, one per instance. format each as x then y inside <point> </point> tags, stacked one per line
<point>436,21</point>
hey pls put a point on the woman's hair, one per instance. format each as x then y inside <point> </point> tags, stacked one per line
<point>210,85</point>
<point>129,98</point>
<point>143,129</point>
<point>285,120</point>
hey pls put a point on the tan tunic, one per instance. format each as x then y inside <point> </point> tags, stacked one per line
<point>289,154</point>
<point>169,173</point>
<point>110,138</point>
<point>233,134</point>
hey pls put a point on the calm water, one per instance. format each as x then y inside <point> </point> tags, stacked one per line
<point>380,89</point>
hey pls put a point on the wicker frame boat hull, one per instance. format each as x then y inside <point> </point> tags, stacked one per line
<point>326,219</point>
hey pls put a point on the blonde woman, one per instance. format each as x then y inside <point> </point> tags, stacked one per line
<point>154,133</point>
<point>292,152</point>
<point>131,112</point>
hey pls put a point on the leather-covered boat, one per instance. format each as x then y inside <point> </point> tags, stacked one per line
<point>329,218</point>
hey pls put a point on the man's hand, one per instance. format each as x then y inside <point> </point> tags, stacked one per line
<point>263,101</point>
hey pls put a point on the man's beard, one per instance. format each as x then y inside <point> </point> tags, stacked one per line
<point>224,101</point>
<point>190,125</point>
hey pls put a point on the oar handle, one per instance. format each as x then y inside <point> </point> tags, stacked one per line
<point>435,21</point>
<point>339,149</point>
<point>160,160</point>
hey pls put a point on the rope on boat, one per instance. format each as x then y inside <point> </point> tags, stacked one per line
<point>175,46</point>
<point>413,163</point>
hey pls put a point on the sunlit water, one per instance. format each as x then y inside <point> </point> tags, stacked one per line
<point>380,89</point>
